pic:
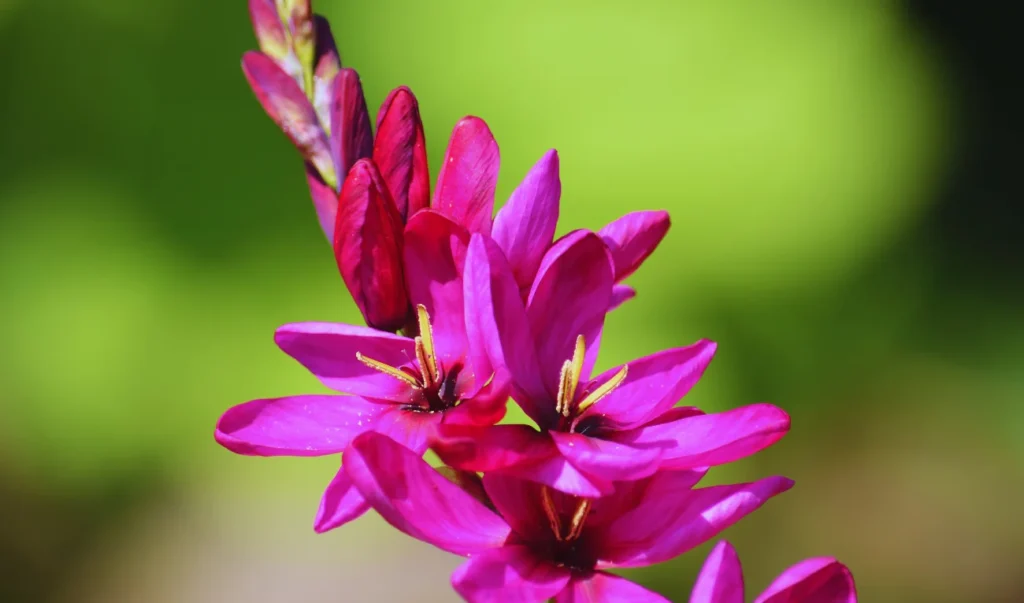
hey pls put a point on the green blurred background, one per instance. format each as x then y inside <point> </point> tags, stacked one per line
<point>846,226</point>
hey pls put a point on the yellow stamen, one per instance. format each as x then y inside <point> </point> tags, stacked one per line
<point>388,370</point>
<point>603,390</point>
<point>561,402</point>
<point>569,379</point>
<point>577,368</point>
<point>428,363</point>
<point>421,358</point>
<point>551,512</point>
<point>578,519</point>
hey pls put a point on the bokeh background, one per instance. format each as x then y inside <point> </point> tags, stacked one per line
<point>843,181</point>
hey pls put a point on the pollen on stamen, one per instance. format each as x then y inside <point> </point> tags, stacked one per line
<point>604,389</point>
<point>387,369</point>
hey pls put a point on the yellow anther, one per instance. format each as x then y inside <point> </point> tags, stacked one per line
<point>603,390</point>
<point>577,367</point>
<point>388,370</point>
<point>569,379</point>
<point>578,519</point>
<point>425,352</point>
<point>552,513</point>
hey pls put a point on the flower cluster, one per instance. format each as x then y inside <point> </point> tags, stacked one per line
<point>463,312</point>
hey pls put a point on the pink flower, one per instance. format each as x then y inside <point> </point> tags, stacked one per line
<point>526,542</point>
<point>620,425</point>
<point>403,386</point>
<point>818,580</point>
<point>525,225</point>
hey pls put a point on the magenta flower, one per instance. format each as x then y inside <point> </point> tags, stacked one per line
<point>620,425</point>
<point>404,387</point>
<point>818,580</point>
<point>526,542</point>
<point>525,225</point>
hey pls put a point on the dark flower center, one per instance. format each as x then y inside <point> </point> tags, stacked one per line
<point>568,545</point>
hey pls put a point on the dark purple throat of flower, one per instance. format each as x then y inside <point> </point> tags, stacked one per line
<point>436,382</point>
<point>569,408</point>
<point>568,548</point>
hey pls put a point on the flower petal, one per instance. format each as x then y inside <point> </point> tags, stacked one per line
<point>418,500</point>
<point>819,580</point>
<point>435,255</point>
<point>517,451</point>
<point>266,23</point>
<point>670,520</point>
<point>295,425</point>
<point>653,385</point>
<point>325,201</point>
<point>497,327</point>
<point>341,503</point>
<point>400,152</point>
<point>633,237</point>
<point>286,104</point>
<point>721,578</point>
<point>329,350</point>
<point>602,587</point>
<point>411,429</point>
<point>710,440</point>
<point>468,177</point>
<point>526,224</point>
<point>620,295</point>
<point>351,138</point>
<point>606,459</point>
<point>509,573</point>
<point>368,248</point>
<point>570,296</point>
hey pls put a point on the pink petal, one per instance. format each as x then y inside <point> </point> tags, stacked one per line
<point>710,440</point>
<point>469,175</point>
<point>627,496</point>
<point>269,30</point>
<point>435,254</point>
<point>419,501</point>
<point>570,296</point>
<point>620,295</point>
<point>368,244</point>
<point>510,573</point>
<point>340,504</point>
<point>485,407</point>
<point>401,153</point>
<point>497,326</point>
<point>670,520</point>
<point>606,459</point>
<point>819,580</point>
<point>517,451</point>
<point>411,429</point>
<point>291,110</point>
<point>602,587</point>
<point>325,201</point>
<point>295,425</point>
<point>721,578</point>
<point>633,237</point>
<point>328,350</point>
<point>526,224</point>
<point>351,138</point>
<point>653,385</point>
